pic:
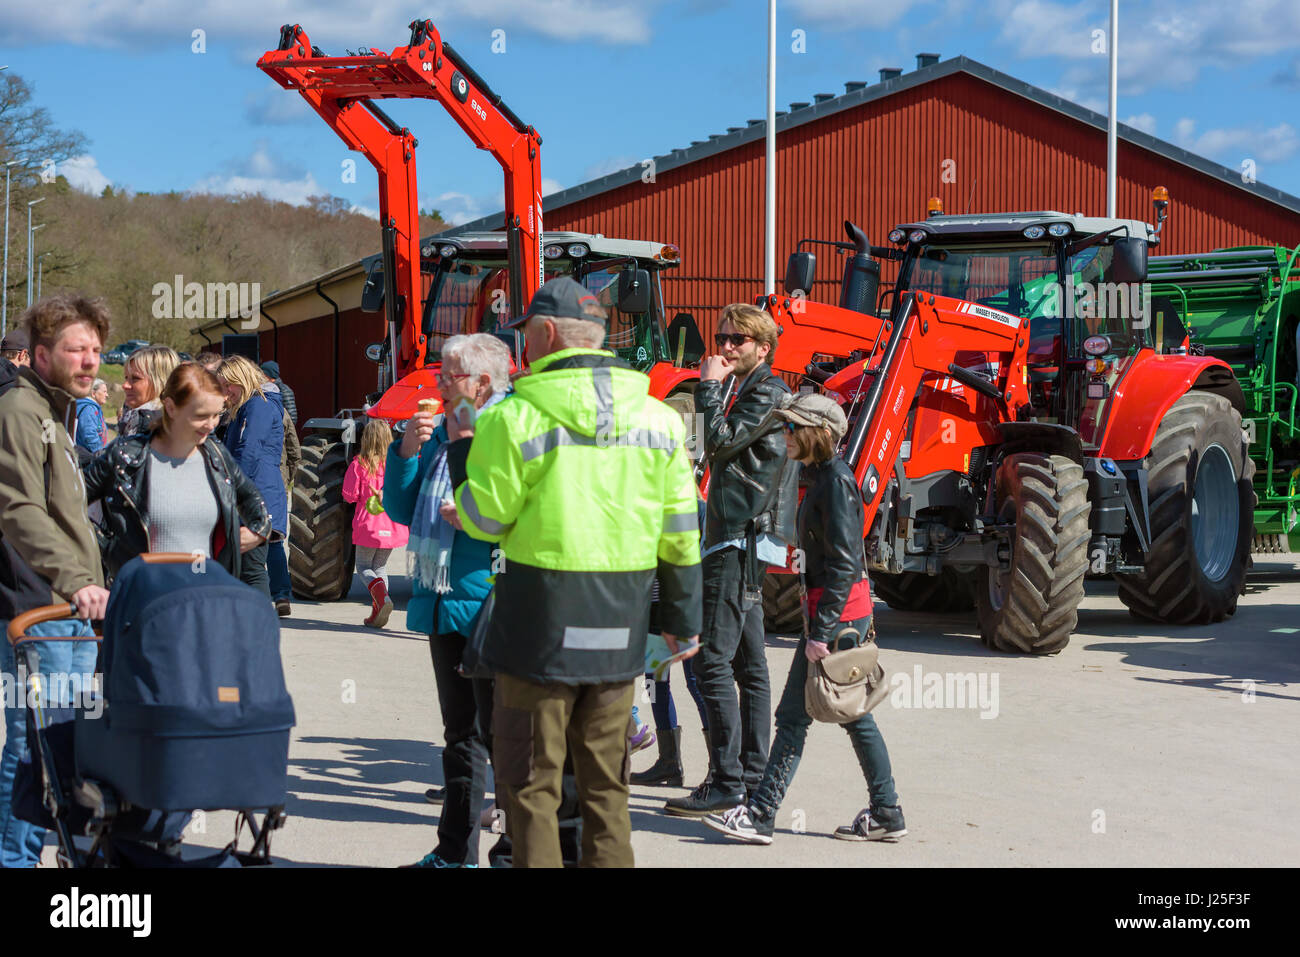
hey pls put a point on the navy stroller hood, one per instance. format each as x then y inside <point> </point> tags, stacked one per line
<point>196,713</point>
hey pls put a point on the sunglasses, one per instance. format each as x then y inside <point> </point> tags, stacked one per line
<point>791,426</point>
<point>737,339</point>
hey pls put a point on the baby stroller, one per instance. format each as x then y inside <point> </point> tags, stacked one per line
<point>193,714</point>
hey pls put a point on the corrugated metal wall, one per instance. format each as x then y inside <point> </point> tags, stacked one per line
<point>877,164</point>
<point>305,351</point>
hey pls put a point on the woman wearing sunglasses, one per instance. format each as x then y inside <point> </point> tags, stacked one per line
<point>838,598</point>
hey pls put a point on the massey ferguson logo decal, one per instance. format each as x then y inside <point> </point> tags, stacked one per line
<point>898,400</point>
<point>986,313</point>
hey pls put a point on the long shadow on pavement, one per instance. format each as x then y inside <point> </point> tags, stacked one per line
<point>377,762</point>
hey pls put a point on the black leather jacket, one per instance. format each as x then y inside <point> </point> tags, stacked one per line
<point>740,483</point>
<point>830,534</point>
<point>120,476</point>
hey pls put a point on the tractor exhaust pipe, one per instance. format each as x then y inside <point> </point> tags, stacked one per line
<point>861,281</point>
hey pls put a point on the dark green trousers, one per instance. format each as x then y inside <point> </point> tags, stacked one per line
<point>534,726</point>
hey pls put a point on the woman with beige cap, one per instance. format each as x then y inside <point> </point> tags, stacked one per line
<point>838,598</point>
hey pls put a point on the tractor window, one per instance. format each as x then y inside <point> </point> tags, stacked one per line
<point>626,336</point>
<point>1103,307</point>
<point>1011,278</point>
<point>474,297</point>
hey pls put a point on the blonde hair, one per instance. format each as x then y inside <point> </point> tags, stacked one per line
<point>754,322</point>
<point>375,439</point>
<point>241,371</point>
<point>155,363</point>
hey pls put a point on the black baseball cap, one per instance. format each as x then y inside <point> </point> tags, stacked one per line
<point>15,340</point>
<point>563,298</point>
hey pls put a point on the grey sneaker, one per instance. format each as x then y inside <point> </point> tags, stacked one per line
<point>867,828</point>
<point>737,823</point>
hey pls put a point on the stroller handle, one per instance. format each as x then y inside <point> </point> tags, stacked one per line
<point>17,631</point>
<point>169,558</point>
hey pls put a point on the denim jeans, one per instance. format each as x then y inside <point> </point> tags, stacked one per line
<point>21,842</point>
<point>466,705</point>
<point>277,567</point>
<point>253,570</point>
<point>733,652</point>
<point>661,704</point>
<point>792,723</point>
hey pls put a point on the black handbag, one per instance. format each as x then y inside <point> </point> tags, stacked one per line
<point>471,662</point>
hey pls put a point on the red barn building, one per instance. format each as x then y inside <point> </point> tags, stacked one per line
<point>977,138</point>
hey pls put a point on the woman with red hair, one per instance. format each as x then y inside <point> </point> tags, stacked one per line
<point>173,490</point>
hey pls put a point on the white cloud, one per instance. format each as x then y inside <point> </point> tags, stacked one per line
<point>606,166</point>
<point>1231,146</point>
<point>850,13</point>
<point>1144,122</point>
<point>550,186</point>
<point>1162,43</point>
<point>274,107</point>
<point>262,174</point>
<point>83,173</point>
<point>332,24</point>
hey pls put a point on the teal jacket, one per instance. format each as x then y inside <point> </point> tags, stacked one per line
<point>471,560</point>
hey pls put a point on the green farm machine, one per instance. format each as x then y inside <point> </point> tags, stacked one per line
<point>1242,305</point>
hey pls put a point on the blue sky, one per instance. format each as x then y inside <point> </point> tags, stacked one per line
<point>609,83</point>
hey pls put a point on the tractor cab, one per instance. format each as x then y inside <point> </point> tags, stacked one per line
<point>1079,280</point>
<point>467,289</point>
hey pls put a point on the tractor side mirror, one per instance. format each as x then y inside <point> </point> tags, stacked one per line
<point>684,340</point>
<point>1129,262</point>
<point>634,290</point>
<point>372,293</point>
<point>800,271</point>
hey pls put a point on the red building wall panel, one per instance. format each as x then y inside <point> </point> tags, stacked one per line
<point>877,164</point>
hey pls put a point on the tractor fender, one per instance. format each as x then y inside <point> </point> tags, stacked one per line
<point>402,400</point>
<point>666,377</point>
<point>1153,384</point>
<point>1045,438</point>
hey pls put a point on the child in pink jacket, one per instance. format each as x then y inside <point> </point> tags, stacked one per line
<point>374,534</point>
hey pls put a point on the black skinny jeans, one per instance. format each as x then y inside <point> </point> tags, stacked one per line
<point>466,705</point>
<point>732,652</point>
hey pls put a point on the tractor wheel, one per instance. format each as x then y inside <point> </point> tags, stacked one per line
<point>948,591</point>
<point>320,526</point>
<point>1200,485</point>
<point>1033,606</point>
<point>782,610</point>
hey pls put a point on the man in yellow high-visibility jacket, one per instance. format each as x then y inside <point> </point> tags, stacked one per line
<point>585,481</point>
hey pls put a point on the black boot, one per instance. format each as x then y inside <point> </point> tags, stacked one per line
<point>667,769</point>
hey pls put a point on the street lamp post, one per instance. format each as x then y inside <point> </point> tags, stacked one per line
<point>40,272</point>
<point>29,246</point>
<point>4,284</point>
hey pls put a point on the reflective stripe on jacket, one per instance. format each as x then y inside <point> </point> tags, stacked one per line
<point>585,480</point>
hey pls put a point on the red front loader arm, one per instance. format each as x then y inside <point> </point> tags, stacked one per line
<point>925,339</point>
<point>342,91</point>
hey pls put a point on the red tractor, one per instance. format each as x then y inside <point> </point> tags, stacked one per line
<point>1014,427</point>
<point>432,289</point>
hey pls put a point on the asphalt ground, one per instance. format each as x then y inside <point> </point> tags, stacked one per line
<point>1138,745</point>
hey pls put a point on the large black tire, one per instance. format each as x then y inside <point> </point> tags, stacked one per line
<point>944,593</point>
<point>1033,607</point>
<point>320,526</point>
<point>1200,485</point>
<point>782,610</point>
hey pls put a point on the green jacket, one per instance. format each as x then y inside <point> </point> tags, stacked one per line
<point>585,481</point>
<point>42,498</point>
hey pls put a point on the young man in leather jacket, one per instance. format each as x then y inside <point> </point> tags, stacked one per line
<point>746,452</point>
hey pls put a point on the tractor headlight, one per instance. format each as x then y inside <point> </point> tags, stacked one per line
<point>1034,232</point>
<point>553,251</point>
<point>897,235</point>
<point>1058,230</point>
<point>577,250</point>
<point>916,236</point>
<point>446,250</point>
